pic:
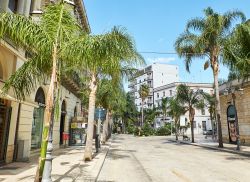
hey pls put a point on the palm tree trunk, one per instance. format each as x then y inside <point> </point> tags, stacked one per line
<point>191,118</point>
<point>48,116</point>
<point>217,96</point>
<point>142,113</point>
<point>105,127</point>
<point>91,114</point>
<point>176,131</point>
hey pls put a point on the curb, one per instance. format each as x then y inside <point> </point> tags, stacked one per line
<point>247,154</point>
<point>107,145</point>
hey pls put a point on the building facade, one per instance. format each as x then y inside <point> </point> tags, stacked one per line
<point>21,122</point>
<point>202,120</point>
<point>154,76</point>
<point>235,105</point>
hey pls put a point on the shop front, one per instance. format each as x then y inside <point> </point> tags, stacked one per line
<point>38,119</point>
<point>77,135</point>
<point>5,116</point>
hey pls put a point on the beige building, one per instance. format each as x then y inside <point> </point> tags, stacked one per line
<point>235,103</point>
<point>21,123</point>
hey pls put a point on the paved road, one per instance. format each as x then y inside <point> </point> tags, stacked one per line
<point>143,159</point>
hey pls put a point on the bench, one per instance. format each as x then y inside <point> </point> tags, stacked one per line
<point>185,137</point>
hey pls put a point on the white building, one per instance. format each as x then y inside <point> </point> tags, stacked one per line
<point>155,75</point>
<point>202,118</point>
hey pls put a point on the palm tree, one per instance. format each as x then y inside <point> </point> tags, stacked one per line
<point>110,96</point>
<point>144,92</point>
<point>43,42</point>
<point>175,110</point>
<point>210,104</point>
<point>190,100</point>
<point>164,106</point>
<point>236,52</point>
<point>206,37</point>
<point>106,55</point>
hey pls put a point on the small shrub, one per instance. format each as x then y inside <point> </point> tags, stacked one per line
<point>131,129</point>
<point>163,131</point>
<point>147,130</point>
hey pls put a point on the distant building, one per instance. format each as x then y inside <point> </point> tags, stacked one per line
<point>202,117</point>
<point>155,75</point>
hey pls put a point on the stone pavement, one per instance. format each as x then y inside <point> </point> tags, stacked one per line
<point>68,165</point>
<point>210,143</point>
<point>155,158</point>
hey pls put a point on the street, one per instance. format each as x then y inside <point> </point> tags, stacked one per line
<point>157,159</point>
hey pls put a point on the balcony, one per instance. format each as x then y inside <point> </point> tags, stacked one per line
<point>150,77</point>
<point>150,101</point>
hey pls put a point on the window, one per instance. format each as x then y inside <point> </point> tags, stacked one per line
<point>13,5</point>
<point>194,124</point>
<point>170,92</point>
<point>204,126</point>
<point>202,111</point>
<point>163,93</point>
<point>158,95</point>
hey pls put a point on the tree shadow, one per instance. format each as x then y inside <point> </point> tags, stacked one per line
<point>67,175</point>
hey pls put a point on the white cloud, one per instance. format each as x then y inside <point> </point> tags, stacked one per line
<point>161,60</point>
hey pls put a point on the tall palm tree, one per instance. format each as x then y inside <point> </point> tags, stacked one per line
<point>144,92</point>
<point>236,52</point>
<point>205,38</point>
<point>106,55</point>
<point>190,100</point>
<point>175,110</point>
<point>110,96</point>
<point>164,106</point>
<point>43,42</point>
<point>210,104</point>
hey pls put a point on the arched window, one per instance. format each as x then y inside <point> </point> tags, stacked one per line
<point>40,96</point>
<point>38,116</point>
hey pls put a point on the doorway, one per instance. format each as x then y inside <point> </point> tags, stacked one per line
<point>231,114</point>
<point>38,117</point>
<point>62,121</point>
<point>5,115</point>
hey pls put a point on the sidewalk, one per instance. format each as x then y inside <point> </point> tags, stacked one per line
<point>201,141</point>
<point>68,165</point>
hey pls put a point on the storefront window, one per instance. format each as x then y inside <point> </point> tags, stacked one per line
<point>37,123</point>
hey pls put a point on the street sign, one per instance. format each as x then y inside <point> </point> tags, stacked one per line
<point>100,113</point>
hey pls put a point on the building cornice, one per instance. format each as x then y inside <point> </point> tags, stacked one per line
<point>190,84</point>
<point>83,15</point>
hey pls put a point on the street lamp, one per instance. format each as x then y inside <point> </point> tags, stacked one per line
<point>232,91</point>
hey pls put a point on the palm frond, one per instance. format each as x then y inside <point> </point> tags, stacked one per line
<point>25,79</point>
<point>196,24</point>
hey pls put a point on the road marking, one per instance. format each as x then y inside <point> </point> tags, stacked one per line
<point>181,176</point>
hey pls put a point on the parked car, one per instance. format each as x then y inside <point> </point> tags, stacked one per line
<point>208,132</point>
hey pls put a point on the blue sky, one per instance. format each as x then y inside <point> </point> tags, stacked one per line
<point>155,25</point>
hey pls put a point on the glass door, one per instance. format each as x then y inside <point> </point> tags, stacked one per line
<point>37,128</point>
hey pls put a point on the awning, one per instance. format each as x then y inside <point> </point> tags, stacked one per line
<point>11,98</point>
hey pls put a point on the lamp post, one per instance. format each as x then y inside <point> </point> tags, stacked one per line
<point>232,91</point>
